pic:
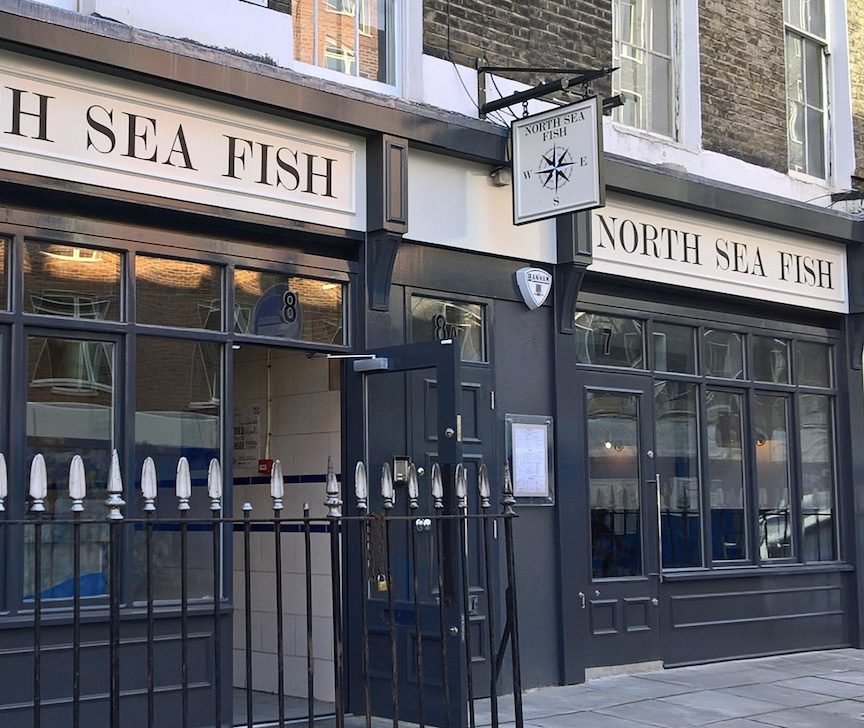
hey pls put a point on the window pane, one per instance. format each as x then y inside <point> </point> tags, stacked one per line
<point>659,25</point>
<point>770,431</point>
<point>70,397</point>
<point>794,67</point>
<point>813,74</point>
<point>659,96</point>
<point>797,136</point>
<point>674,348</point>
<point>178,293</point>
<point>336,33</point>
<point>726,476</point>
<point>677,463</point>
<point>724,354</point>
<point>770,360</point>
<point>609,341</point>
<point>817,476</point>
<point>433,319</point>
<point>178,413</point>
<point>614,484</point>
<point>815,143</point>
<point>813,364</point>
<point>816,17</point>
<point>290,307</point>
<point>63,280</point>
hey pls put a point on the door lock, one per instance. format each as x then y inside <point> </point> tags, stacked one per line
<point>654,602</point>
<point>454,631</point>
<point>449,432</point>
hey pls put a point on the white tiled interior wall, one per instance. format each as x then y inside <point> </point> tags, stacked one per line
<point>305,421</point>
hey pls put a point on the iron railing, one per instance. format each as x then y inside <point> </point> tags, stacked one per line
<point>110,676</point>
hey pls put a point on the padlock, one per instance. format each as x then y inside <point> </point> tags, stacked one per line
<point>381,582</point>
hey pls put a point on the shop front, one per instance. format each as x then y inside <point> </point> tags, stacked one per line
<point>707,404</point>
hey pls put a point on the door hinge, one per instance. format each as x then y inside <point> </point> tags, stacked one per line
<point>492,399</point>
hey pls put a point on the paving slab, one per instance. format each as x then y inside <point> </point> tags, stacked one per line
<point>730,706</point>
<point>849,708</point>
<point>807,718</point>
<point>665,714</point>
<point>787,697</point>
<point>824,686</point>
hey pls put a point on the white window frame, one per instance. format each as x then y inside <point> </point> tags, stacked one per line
<point>673,58</point>
<point>824,43</point>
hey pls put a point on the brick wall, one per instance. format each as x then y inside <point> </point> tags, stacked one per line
<point>546,33</point>
<point>856,62</point>
<point>743,80</point>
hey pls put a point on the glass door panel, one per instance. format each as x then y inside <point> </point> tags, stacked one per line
<point>614,484</point>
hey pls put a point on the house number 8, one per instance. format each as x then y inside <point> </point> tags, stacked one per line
<point>289,307</point>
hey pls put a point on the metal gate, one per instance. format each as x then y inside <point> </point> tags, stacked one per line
<point>125,656</point>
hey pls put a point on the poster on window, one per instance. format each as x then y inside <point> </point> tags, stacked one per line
<point>247,440</point>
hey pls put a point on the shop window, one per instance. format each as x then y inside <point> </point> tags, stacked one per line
<point>178,413</point>
<point>677,462</point>
<point>771,443</point>
<point>352,37</point>
<point>813,364</point>
<point>178,293</point>
<point>806,89</point>
<point>643,42</point>
<point>434,319</point>
<point>725,475</point>
<point>609,341</point>
<point>63,421</point>
<point>723,354</point>
<point>71,281</point>
<point>289,307</point>
<point>674,348</point>
<point>614,484</point>
<point>816,435</point>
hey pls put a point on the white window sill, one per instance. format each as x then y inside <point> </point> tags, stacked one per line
<point>309,69</point>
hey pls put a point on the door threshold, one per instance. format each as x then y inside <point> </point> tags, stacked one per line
<point>633,667</point>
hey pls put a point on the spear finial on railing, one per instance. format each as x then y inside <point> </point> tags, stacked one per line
<point>277,485</point>
<point>333,502</point>
<point>461,478</point>
<point>38,483</point>
<point>387,491</point>
<point>77,484</point>
<point>183,484</point>
<point>149,484</point>
<point>483,486</point>
<point>214,485</point>
<point>115,489</point>
<point>4,482</point>
<point>361,486</point>
<point>413,488</point>
<point>508,501</point>
<point>437,486</point>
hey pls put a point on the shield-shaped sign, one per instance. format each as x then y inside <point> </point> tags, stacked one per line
<point>534,285</point>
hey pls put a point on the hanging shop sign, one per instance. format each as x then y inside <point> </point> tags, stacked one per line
<point>535,285</point>
<point>662,244</point>
<point>557,162</point>
<point>84,127</point>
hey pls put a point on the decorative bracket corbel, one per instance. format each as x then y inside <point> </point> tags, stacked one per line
<point>573,233</point>
<point>386,213</point>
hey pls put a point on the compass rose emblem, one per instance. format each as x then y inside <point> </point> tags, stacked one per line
<point>555,168</point>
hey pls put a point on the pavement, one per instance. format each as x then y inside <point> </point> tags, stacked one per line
<point>803,690</point>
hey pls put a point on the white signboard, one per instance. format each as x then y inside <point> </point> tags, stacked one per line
<point>75,125</point>
<point>661,244</point>
<point>534,285</point>
<point>557,162</point>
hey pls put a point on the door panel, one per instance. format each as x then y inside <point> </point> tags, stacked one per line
<point>407,409</point>
<point>621,588</point>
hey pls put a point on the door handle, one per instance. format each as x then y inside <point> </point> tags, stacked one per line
<point>659,531</point>
<point>582,600</point>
